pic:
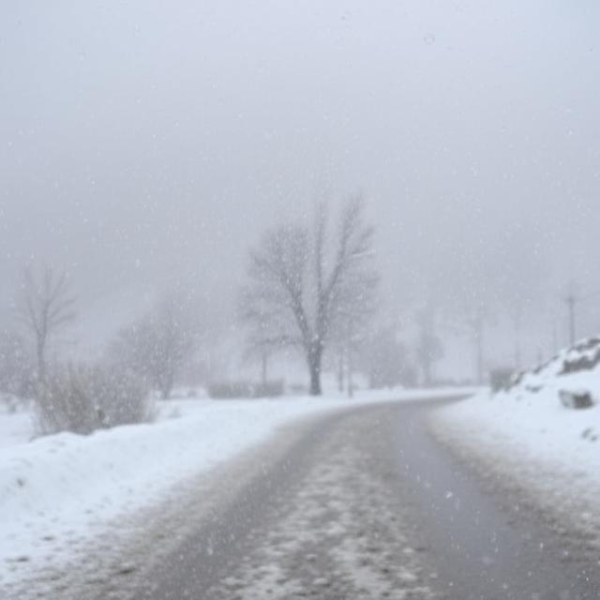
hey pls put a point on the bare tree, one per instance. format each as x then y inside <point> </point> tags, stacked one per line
<point>475,319</point>
<point>351,321</point>
<point>158,345</point>
<point>46,306</point>
<point>385,360</point>
<point>306,281</point>
<point>264,335</point>
<point>428,349</point>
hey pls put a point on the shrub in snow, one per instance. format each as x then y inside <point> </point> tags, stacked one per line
<point>501,379</point>
<point>230,389</point>
<point>122,396</point>
<point>269,389</point>
<point>81,399</point>
<point>578,399</point>
<point>244,389</point>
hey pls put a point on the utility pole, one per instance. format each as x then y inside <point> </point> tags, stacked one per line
<point>517,323</point>
<point>572,301</point>
<point>264,368</point>
<point>349,358</point>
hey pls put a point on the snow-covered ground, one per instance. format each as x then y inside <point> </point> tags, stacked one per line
<point>66,487</point>
<point>528,434</point>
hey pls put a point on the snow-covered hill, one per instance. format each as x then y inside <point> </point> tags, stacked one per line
<point>574,370</point>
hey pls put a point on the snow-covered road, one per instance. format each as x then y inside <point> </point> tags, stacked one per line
<point>358,503</point>
<point>65,497</point>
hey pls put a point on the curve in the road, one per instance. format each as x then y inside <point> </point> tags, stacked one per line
<point>483,547</point>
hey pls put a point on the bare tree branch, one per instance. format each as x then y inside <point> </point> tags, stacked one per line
<point>45,306</point>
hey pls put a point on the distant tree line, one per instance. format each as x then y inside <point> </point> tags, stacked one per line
<point>311,294</point>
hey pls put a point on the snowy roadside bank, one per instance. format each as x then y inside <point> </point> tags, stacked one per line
<point>62,488</point>
<point>532,440</point>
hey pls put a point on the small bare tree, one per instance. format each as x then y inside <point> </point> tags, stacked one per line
<point>260,347</point>
<point>266,328</point>
<point>158,345</point>
<point>472,321</point>
<point>428,346</point>
<point>386,360</point>
<point>351,322</point>
<point>306,282</point>
<point>46,306</point>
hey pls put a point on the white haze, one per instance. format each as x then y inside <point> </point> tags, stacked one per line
<point>146,143</point>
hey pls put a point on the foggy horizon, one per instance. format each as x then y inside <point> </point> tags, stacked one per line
<point>145,148</point>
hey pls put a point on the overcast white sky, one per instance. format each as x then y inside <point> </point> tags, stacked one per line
<point>144,142</point>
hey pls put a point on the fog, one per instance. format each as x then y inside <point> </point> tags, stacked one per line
<point>146,144</point>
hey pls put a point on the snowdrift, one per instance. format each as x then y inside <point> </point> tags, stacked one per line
<point>574,372</point>
<point>58,492</point>
<point>536,411</point>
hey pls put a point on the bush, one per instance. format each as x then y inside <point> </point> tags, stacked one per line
<point>501,379</point>
<point>244,389</point>
<point>230,389</point>
<point>269,389</point>
<point>82,399</point>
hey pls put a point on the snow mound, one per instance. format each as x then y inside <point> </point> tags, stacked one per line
<point>573,372</point>
<point>530,434</point>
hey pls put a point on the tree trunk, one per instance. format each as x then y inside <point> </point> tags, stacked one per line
<point>314,367</point>
<point>41,362</point>
<point>350,373</point>
<point>167,387</point>
<point>518,342</point>
<point>340,373</point>
<point>264,370</point>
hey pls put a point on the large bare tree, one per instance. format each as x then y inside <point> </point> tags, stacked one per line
<point>46,306</point>
<point>307,282</point>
